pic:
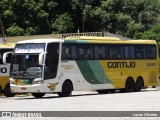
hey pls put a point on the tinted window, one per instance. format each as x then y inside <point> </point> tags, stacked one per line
<point>99,51</point>
<point>2,51</point>
<point>69,52</point>
<point>126,52</point>
<point>140,52</point>
<point>151,52</point>
<point>132,52</point>
<point>107,52</point>
<point>116,52</point>
<point>85,51</point>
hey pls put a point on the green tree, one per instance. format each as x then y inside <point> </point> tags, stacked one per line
<point>15,30</point>
<point>63,24</point>
<point>129,18</point>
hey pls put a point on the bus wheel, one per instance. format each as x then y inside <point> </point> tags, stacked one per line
<point>7,91</point>
<point>129,86</point>
<point>153,86</point>
<point>0,89</point>
<point>122,90</point>
<point>103,91</point>
<point>66,89</point>
<point>139,84</point>
<point>112,90</point>
<point>38,95</point>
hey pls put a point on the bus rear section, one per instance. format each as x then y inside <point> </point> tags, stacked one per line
<point>5,70</point>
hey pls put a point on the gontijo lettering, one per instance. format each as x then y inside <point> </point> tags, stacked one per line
<point>121,64</point>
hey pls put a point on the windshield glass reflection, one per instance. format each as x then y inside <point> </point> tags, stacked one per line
<point>26,66</point>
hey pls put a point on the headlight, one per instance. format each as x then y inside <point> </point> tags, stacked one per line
<point>12,82</point>
<point>37,82</point>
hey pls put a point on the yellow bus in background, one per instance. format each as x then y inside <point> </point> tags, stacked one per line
<point>101,64</point>
<point>5,70</point>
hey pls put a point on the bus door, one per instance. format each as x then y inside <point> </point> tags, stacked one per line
<point>51,62</point>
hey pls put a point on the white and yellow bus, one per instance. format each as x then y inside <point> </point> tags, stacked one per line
<point>4,71</point>
<point>102,64</point>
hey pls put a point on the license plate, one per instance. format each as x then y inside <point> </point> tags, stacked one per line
<point>23,88</point>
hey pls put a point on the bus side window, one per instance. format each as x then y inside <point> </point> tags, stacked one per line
<point>85,51</point>
<point>9,56</point>
<point>126,52</point>
<point>140,52</point>
<point>117,52</point>
<point>132,52</point>
<point>99,51</point>
<point>74,52</point>
<point>66,53</point>
<point>89,52</point>
<point>151,52</point>
<point>69,52</point>
<point>107,52</point>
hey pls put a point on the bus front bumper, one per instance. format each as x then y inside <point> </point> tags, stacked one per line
<point>36,88</point>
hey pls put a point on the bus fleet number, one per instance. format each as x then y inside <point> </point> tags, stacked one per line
<point>3,70</point>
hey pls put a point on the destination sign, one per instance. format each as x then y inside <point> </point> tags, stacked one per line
<point>29,48</point>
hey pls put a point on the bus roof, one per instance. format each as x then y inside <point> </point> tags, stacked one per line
<point>88,39</point>
<point>91,38</point>
<point>112,40</point>
<point>43,40</point>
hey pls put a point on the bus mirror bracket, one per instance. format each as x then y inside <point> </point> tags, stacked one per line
<point>5,55</point>
<point>41,55</point>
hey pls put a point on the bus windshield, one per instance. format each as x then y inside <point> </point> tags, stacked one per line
<point>26,66</point>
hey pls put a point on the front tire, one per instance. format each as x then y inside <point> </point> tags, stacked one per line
<point>38,95</point>
<point>7,91</point>
<point>112,91</point>
<point>103,91</point>
<point>66,90</point>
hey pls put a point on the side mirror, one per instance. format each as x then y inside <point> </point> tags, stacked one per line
<point>41,56</point>
<point>5,55</point>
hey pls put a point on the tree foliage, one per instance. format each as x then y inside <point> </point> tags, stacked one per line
<point>130,18</point>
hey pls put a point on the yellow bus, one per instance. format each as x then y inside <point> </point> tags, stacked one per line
<point>4,70</point>
<point>102,64</point>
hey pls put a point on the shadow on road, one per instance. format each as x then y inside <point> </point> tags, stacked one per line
<point>49,96</point>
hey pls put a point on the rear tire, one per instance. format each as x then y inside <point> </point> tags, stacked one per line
<point>122,90</point>
<point>7,91</point>
<point>66,89</point>
<point>138,85</point>
<point>38,95</point>
<point>129,85</point>
<point>153,86</point>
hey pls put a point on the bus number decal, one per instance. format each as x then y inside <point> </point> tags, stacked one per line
<point>3,70</point>
<point>151,64</point>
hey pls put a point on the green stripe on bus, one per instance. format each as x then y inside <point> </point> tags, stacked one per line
<point>92,71</point>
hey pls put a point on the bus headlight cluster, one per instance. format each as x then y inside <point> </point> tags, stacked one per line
<point>11,81</point>
<point>37,82</point>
